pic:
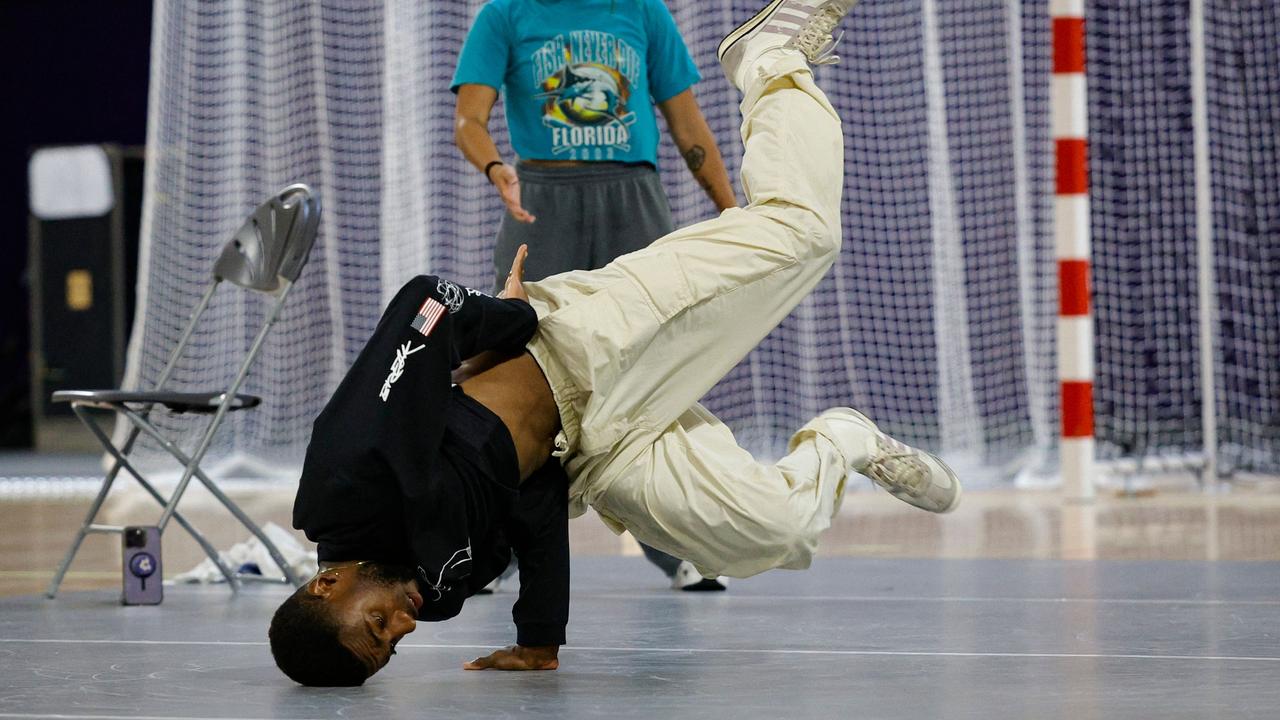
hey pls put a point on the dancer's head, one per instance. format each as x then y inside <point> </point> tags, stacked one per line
<point>343,625</point>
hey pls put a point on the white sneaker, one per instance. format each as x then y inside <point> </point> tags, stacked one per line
<point>688,578</point>
<point>803,25</point>
<point>911,475</point>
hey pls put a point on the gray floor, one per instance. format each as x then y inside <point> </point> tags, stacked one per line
<point>851,638</point>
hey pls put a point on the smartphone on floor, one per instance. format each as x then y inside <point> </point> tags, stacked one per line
<point>143,579</point>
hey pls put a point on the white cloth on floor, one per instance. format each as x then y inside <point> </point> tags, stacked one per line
<point>302,561</point>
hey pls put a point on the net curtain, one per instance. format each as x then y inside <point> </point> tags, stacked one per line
<point>937,319</point>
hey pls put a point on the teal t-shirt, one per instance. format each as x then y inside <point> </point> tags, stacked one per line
<point>580,76</point>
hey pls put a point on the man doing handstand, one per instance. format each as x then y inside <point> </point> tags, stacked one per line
<point>616,361</point>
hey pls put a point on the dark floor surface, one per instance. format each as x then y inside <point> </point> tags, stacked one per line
<point>851,638</point>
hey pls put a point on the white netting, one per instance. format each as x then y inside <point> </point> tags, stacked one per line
<point>938,317</point>
<point>1148,394</point>
<point>1243,43</point>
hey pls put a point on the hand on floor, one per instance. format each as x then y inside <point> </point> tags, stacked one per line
<point>518,657</point>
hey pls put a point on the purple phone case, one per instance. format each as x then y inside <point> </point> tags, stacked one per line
<point>143,575</point>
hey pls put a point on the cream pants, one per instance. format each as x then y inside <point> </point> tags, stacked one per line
<point>630,348</point>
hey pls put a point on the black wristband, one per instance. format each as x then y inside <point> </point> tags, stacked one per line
<point>489,167</point>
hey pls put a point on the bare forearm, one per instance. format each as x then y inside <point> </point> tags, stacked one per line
<point>471,135</point>
<point>698,147</point>
<point>702,156</point>
<point>477,146</point>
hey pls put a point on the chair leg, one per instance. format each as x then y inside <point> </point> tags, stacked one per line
<point>56,582</point>
<point>233,580</point>
<point>194,470</point>
<point>289,576</point>
<point>61,573</point>
<point>123,462</point>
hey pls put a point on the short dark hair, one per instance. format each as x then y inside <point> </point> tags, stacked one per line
<point>305,644</point>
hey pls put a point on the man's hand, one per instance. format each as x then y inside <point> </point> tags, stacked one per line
<point>518,657</point>
<point>514,287</point>
<point>504,178</point>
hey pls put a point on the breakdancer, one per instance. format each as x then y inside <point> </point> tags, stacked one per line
<point>416,489</point>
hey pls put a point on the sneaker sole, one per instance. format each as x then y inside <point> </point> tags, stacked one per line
<point>747,28</point>
<point>705,585</point>
<point>955,482</point>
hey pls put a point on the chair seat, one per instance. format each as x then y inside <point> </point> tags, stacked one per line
<point>179,402</point>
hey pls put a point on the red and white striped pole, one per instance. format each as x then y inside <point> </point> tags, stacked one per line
<point>1070,110</point>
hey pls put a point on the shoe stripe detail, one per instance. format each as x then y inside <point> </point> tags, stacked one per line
<point>749,26</point>
<point>784,27</point>
<point>791,16</point>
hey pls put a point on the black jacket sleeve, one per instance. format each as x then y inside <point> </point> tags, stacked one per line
<point>482,322</point>
<point>441,601</point>
<point>538,531</point>
<point>475,323</point>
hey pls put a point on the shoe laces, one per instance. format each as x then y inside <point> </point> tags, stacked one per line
<point>814,39</point>
<point>900,466</point>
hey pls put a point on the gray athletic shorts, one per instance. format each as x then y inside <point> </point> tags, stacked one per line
<point>587,215</point>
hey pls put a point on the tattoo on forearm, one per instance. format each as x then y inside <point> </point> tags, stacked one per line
<point>694,157</point>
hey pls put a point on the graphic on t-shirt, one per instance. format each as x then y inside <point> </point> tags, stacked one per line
<point>585,81</point>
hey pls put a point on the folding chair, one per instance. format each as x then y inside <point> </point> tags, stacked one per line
<point>265,255</point>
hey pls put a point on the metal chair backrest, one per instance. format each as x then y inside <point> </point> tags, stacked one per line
<point>266,255</point>
<point>274,243</point>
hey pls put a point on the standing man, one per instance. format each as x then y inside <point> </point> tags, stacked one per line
<point>581,78</point>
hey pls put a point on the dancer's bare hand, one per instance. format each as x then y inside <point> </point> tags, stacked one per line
<point>518,657</point>
<point>505,179</point>
<point>514,287</point>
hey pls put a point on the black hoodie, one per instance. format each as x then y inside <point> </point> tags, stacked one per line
<point>405,468</point>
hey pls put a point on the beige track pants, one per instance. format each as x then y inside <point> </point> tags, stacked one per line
<point>630,348</point>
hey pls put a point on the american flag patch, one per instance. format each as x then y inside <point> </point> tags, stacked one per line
<point>428,316</point>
